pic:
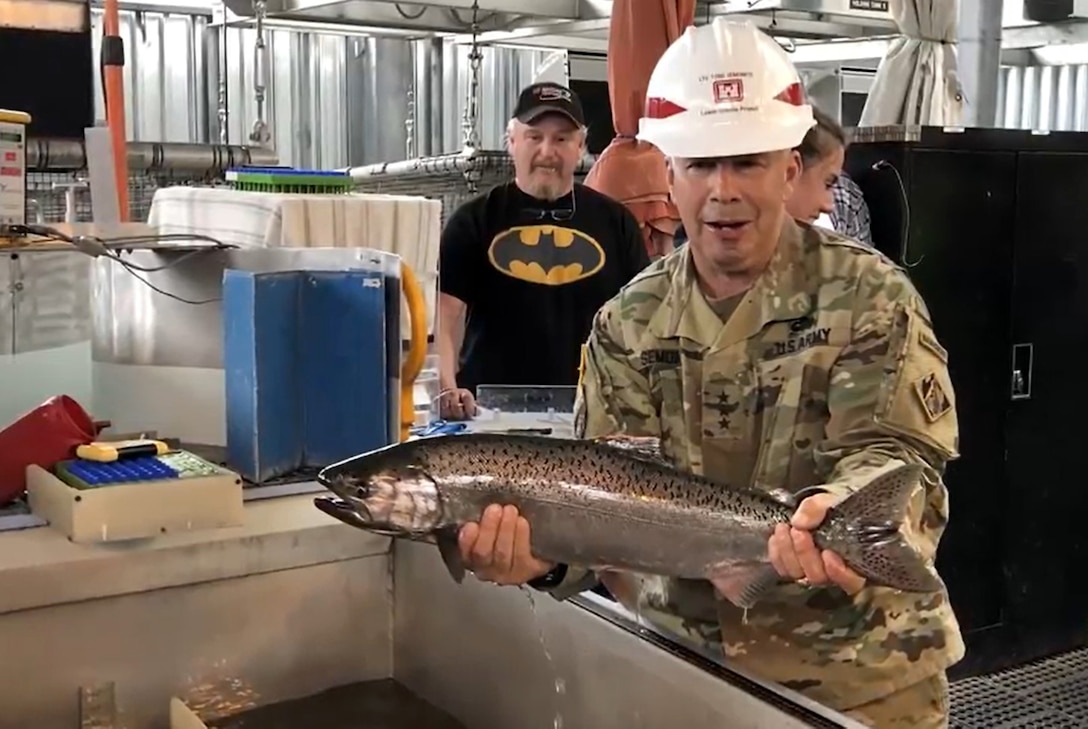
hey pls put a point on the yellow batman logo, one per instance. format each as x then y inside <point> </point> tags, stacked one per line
<point>546,254</point>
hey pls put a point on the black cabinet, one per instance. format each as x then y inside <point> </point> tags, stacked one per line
<point>992,226</point>
<point>49,75</point>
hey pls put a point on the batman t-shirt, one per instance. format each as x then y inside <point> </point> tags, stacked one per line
<point>533,273</point>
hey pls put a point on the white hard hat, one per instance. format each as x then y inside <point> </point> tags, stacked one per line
<point>724,90</point>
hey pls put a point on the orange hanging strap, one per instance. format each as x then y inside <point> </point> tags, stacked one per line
<point>113,88</point>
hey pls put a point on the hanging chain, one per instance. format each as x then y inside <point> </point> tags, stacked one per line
<point>410,120</point>
<point>470,124</point>
<point>221,101</point>
<point>410,126</point>
<point>260,134</point>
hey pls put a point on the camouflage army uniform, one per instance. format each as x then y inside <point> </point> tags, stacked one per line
<point>826,369</point>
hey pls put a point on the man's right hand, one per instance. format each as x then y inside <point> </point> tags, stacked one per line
<point>456,404</point>
<point>497,549</point>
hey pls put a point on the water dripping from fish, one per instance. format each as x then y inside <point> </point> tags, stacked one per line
<point>560,683</point>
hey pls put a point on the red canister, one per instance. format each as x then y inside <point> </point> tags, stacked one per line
<point>46,435</point>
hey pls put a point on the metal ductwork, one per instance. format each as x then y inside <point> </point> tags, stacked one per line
<point>815,19</point>
<point>556,23</point>
<point>1056,11</point>
<point>1047,11</point>
<point>424,18</point>
<point>859,10</point>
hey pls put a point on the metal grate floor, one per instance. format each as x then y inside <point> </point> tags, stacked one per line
<point>1047,694</point>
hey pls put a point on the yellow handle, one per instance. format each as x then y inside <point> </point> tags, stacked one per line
<point>15,117</point>
<point>417,351</point>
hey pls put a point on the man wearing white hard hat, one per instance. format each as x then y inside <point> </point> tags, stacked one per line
<point>774,354</point>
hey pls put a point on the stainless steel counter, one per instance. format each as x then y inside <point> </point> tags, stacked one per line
<point>294,604</point>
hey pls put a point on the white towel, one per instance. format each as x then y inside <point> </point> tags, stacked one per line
<point>403,224</point>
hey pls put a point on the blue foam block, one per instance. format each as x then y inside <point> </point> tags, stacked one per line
<point>342,369</point>
<point>305,358</point>
<point>264,414</point>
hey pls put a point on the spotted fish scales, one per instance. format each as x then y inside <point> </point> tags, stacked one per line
<point>615,503</point>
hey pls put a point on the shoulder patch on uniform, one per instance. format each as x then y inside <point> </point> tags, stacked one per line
<point>934,400</point>
<point>929,340</point>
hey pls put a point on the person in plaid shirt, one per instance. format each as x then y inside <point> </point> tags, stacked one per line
<point>849,213</point>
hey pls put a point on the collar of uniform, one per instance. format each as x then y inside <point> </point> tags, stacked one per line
<point>665,321</point>
<point>785,291</point>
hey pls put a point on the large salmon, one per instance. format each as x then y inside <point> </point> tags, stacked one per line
<point>616,504</point>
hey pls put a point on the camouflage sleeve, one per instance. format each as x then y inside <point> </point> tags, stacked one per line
<point>890,398</point>
<point>613,397</point>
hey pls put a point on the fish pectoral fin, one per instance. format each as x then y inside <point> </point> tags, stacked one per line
<point>641,446</point>
<point>744,583</point>
<point>446,539</point>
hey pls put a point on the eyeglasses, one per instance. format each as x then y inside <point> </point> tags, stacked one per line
<point>561,215</point>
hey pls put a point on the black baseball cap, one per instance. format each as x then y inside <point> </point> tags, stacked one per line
<point>549,98</point>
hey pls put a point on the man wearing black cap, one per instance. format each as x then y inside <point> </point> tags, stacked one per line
<point>525,266</point>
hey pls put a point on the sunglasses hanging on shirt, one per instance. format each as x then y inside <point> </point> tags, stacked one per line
<point>559,215</point>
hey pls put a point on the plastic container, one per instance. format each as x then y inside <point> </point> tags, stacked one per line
<point>289,180</point>
<point>45,436</point>
<point>426,391</point>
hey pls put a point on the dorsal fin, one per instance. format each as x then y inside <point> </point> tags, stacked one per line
<point>646,447</point>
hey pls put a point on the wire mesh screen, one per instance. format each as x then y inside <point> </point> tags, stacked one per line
<point>453,179</point>
<point>47,193</point>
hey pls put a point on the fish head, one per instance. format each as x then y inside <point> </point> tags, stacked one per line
<point>388,495</point>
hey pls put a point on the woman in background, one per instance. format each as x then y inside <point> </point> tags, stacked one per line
<point>823,152</point>
<point>824,189</point>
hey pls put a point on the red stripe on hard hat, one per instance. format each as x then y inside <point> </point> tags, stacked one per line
<point>793,95</point>
<point>658,108</point>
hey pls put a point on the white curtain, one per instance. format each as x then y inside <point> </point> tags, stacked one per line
<point>917,82</point>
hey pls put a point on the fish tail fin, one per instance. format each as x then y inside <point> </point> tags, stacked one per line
<point>873,543</point>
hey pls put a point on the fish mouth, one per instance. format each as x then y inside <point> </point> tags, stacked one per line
<point>343,486</point>
<point>342,508</point>
<point>326,479</point>
<point>355,514</point>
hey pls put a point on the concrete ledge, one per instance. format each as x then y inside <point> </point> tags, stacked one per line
<point>40,567</point>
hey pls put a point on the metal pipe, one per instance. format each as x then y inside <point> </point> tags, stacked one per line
<point>57,155</point>
<point>446,163</point>
<point>979,63</point>
<point>436,99</point>
<point>468,160</point>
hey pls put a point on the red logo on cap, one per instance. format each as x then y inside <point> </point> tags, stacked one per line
<point>728,90</point>
<point>552,93</point>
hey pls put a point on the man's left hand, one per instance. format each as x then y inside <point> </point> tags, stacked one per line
<point>795,556</point>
